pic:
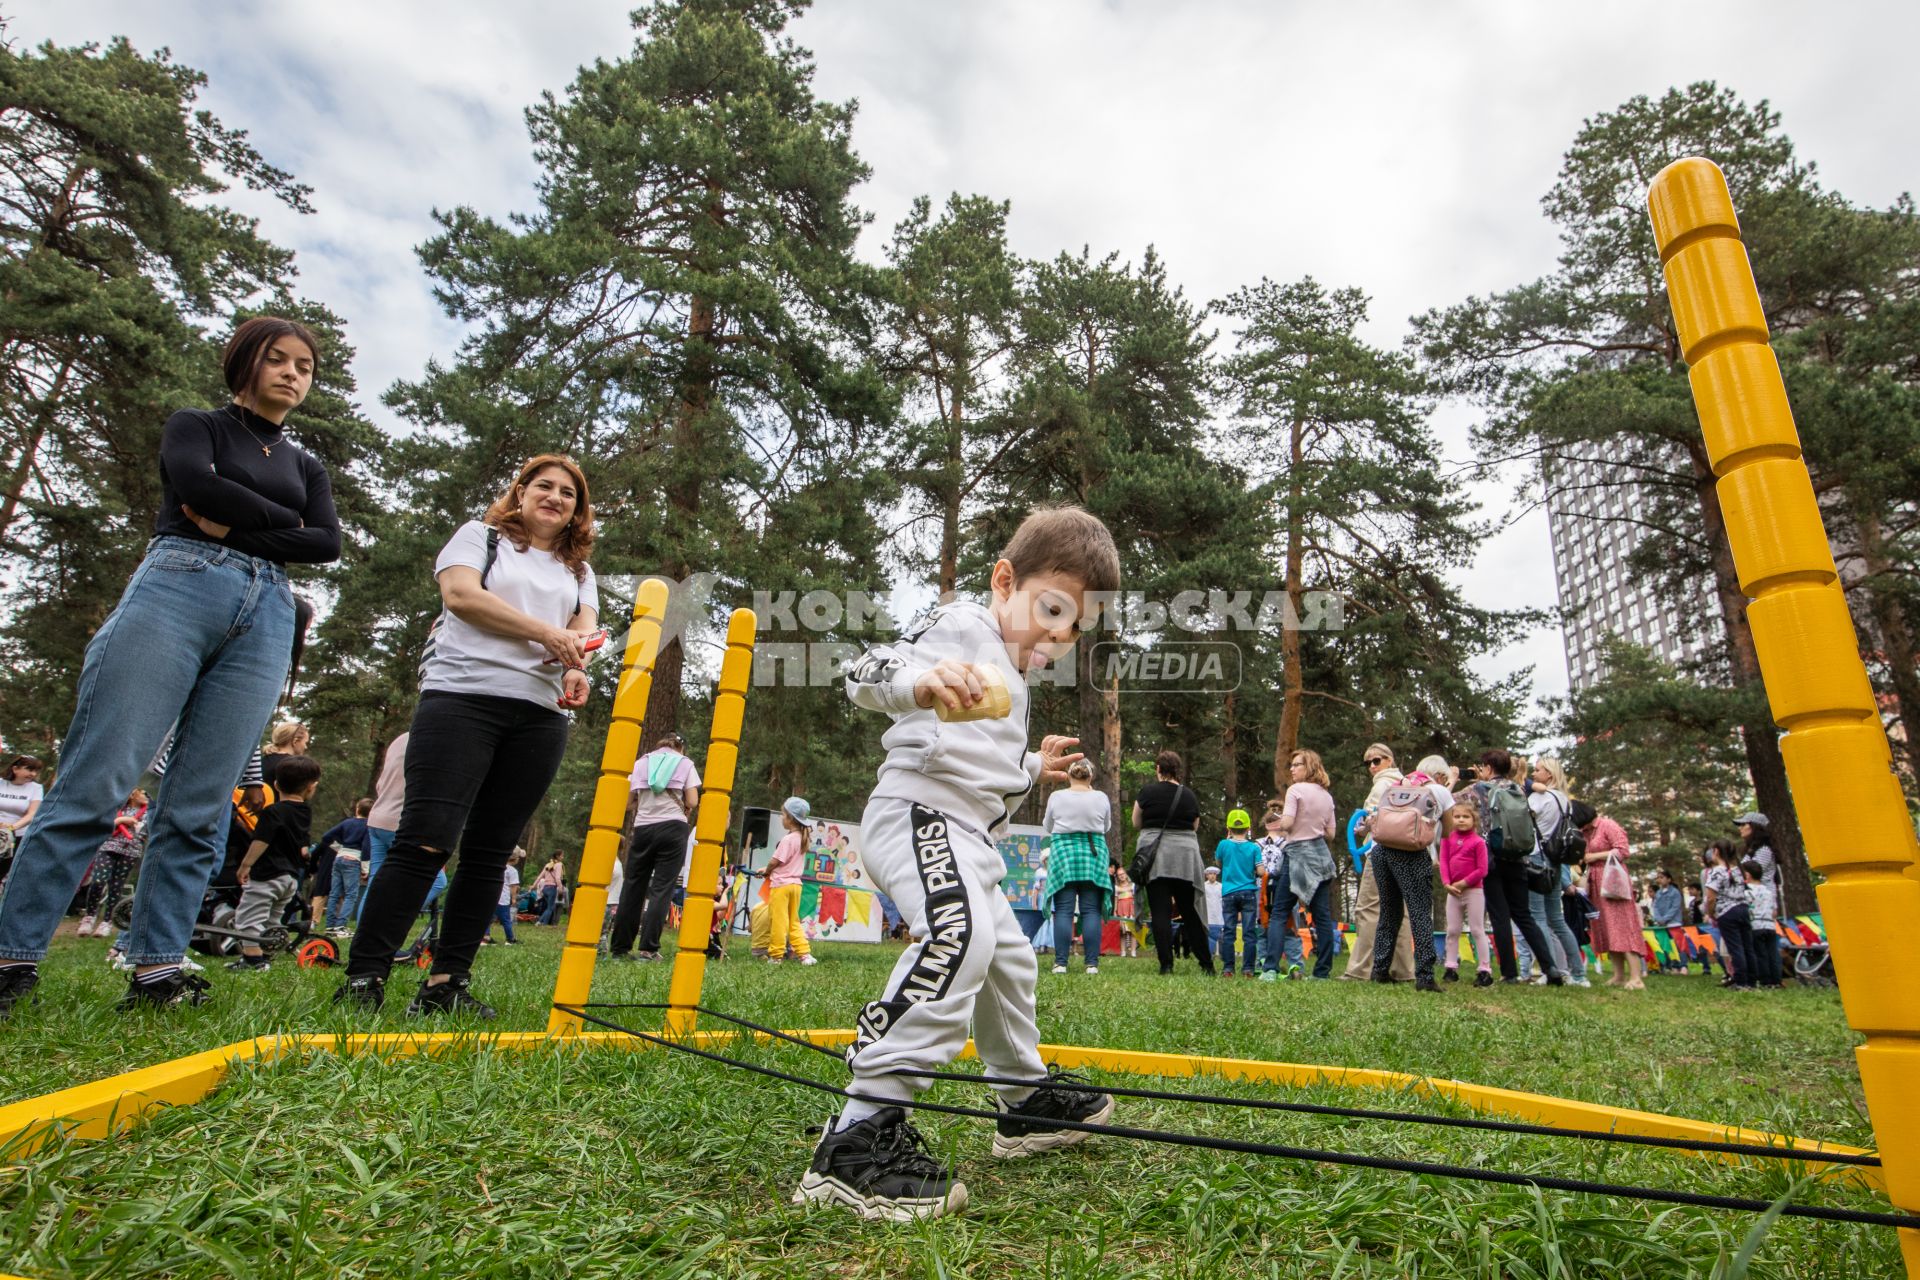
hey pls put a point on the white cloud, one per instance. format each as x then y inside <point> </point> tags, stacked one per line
<point>1402,148</point>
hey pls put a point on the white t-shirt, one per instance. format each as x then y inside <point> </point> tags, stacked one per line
<point>464,659</point>
<point>1078,811</point>
<point>508,885</point>
<point>1549,808</point>
<point>16,798</point>
<point>1216,909</point>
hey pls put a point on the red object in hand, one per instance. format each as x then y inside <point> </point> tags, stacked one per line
<point>594,640</point>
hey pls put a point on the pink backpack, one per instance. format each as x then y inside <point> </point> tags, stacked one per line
<point>1408,816</point>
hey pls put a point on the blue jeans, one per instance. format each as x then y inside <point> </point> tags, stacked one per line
<point>1088,899</point>
<point>1320,913</point>
<point>549,903</point>
<point>343,895</point>
<point>202,637</point>
<point>1239,910</point>
<point>1552,919</point>
<point>378,842</point>
<point>503,912</point>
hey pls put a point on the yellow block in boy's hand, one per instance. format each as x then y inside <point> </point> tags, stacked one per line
<point>995,702</point>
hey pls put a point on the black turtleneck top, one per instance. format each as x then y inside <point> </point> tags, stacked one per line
<point>278,505</point>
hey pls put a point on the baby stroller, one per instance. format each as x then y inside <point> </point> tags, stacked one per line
<point>1806,939</point>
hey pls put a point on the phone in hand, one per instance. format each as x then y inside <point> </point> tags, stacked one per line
<point>593,640</point>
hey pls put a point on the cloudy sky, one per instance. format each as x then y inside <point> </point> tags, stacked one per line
<point>1400,147</point>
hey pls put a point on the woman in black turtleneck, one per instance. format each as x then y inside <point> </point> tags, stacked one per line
<point>202,638</point>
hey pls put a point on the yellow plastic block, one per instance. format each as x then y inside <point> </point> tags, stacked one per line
<point>723,759</point>
<point>1743,404</point>
<point>1711,285</point>
<point>623,747</point>
<point>742,624</point>
<point>601,848</point>
<point>1688,196</point>
<point>588,909</point>
<point>1869,922</point>
<point>729,711</point>
<point>117,1103</point>
<point>610,802</point>
<point>1809,659</point>
<point>1856,814</point>
<point>712,825</point>
<point>1890,1070</point>
<point>1773,522</point>
<point>736,669</point>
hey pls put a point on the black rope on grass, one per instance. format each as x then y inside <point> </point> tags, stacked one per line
<point>1757,1150</point>
<point>1389,1164</point>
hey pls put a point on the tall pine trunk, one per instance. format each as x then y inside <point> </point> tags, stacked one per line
<point>1293,683</point>
<point>953,482</point>
<point>683,495</point>
<point>1896,636</point>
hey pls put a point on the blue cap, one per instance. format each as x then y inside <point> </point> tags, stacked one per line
<point>799,810</point>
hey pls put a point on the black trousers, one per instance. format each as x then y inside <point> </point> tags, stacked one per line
<point>1406,882</point>
<point>1507,907</point>
<point>654,857</point>
<point>1736,940</point>
<point>1164,894</point>
<point>477,767</point>
<point>1765,946</point>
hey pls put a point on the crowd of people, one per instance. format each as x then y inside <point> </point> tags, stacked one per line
<point>1531,877</point>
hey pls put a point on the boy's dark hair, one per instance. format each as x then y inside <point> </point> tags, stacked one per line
<point>247,349</point>
<point>1065,539</point>
<point>1499,760</point>
<point>362,807</point>
<point>1753,868</point>
<point>296,774</point>
<point>1168,762</point>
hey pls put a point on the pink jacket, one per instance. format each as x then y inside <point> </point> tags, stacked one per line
<point>784,867</point>
<point>1463,858</point>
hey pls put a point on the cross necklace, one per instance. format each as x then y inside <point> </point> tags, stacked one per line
<point>266,446</point>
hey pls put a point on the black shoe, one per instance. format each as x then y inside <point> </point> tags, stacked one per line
<point>16,981</point>
<point>1425,983</point>
<point>1556,979</point>
<point>1484,980</point>
<point>1452,975</point>
<point>245,963</point>
<point>1025,1130</point>
<point>365,993</point>
<point>179,987</point>
<point>450,996</point>
<point>1513,982</point>
<point>881,1168</point>
<point>1383,977</point>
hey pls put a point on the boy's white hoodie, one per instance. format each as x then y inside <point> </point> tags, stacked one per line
<point>977,771</point>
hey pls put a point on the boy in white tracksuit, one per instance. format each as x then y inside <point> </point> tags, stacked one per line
<point>946,789</point>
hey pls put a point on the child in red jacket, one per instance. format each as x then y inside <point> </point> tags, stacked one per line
<point>1463,869</point>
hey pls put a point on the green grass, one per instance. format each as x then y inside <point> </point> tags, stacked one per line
<point>608,1164</point>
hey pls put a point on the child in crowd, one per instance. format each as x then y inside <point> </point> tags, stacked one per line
<point>509,888</point>
<point>1238,885</point>
<point>1764,906</point>
<point>1216,909</point>
<point>783,885</point>
<point>276,858</point>
<point>114,864</point>
<point>1123,911</point>
<point>1463,869</point>
<point>957,762</point>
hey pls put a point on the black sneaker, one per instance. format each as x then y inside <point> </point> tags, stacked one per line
<point>16,981</point>
<point>244,963</point>
<point>1484,980</point>
<point>1425,982</point>
<point>1451,974</point>
<point>881,1168</point>
<point>450,996</point>
<point>1024,1130</point>
<point>366,993</point>
<point>176,988</point>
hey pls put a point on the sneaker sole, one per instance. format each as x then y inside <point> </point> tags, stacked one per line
<point>820,1188</point>
<point>1033,1144</point>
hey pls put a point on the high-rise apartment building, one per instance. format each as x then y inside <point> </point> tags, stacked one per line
<point>1592,520</point>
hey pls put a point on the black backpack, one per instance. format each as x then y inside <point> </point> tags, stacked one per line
<point>1566,847</point>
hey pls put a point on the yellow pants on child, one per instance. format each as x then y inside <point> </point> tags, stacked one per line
<point>783,914</point>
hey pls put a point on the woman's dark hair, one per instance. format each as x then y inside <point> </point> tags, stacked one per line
<point>1583,814</point>
<point>1756,841</point>
<point>23,762</point>
<point>247,349</point>
<point>1498,760</point>
<point>1167,764</point>
<point>302,619</point>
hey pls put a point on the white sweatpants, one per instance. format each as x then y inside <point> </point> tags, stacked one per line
<point>969,960</point>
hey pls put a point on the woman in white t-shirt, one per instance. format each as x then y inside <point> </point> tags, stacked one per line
<point>503,666</point>
<point>20,797</point>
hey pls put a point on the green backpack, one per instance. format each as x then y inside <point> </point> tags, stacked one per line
<point>1509,822</point>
